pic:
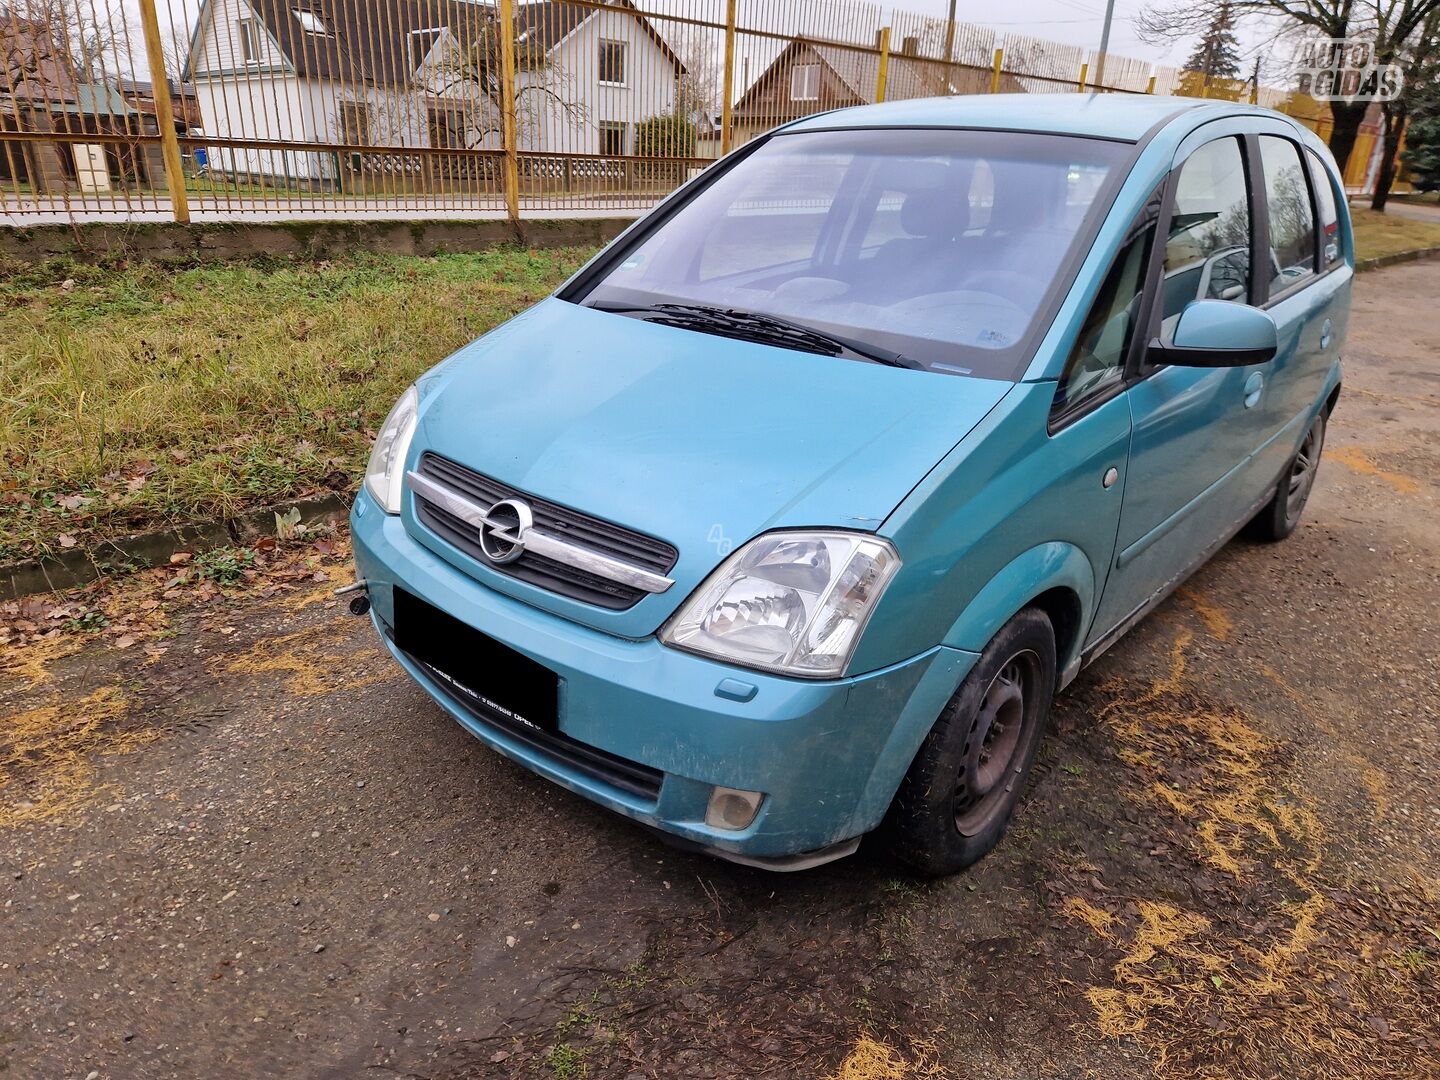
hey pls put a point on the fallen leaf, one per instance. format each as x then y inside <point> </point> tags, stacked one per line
<point>180,558</point>
<point>65,540</point>
<point>124,641</point>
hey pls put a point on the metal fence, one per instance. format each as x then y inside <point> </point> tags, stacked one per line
<point>253,109</point>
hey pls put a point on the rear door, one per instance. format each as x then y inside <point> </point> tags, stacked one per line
<point>1193,429</point>
<point>1306,293</point>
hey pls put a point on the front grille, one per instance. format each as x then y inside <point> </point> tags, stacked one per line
<point>613,540</point>
<point>621,773</point>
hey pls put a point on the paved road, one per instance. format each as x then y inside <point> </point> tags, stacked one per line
<point>264,853</point>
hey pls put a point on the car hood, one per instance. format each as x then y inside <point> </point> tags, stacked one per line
<point>698,440</point>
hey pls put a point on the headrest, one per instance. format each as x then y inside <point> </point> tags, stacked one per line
<point>939,212</point>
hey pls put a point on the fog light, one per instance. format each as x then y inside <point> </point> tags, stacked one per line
<point>732,809</point>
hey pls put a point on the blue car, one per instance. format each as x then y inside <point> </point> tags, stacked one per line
<point>784,519</point>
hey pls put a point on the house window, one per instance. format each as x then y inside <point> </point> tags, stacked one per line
<point>612,62</point>
<point>447,129</point>
<point>805,82</point>
<point>249,35</point>
<point>354,123</point>
<point>614,138</point>
<point>309,21</point>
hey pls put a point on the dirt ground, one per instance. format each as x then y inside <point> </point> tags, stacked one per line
<point>246,846</point>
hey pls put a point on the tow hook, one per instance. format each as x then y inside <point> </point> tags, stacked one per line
<point>360,602</point>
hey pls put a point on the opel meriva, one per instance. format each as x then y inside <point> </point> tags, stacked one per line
<point>784,518</point>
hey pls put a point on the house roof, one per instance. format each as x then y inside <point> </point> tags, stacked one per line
<point>32,67</point>
<point>369,41</point>
<point>858,71</point>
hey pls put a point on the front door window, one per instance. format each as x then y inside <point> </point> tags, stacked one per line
<point>1207,252</point>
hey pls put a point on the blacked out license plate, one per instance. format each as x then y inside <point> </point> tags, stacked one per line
<point>503,685</point>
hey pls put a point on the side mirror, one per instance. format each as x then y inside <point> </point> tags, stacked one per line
<point>1218,333</point>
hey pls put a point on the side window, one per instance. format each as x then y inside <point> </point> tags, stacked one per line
<point>1329,218</point>
<point>1207,253</point>
<point>1098,359</point>
<point>1292,221</point>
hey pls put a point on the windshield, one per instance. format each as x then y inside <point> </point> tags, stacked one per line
<point>941,247</point>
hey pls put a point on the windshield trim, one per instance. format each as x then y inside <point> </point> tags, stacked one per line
<point>594,273</point>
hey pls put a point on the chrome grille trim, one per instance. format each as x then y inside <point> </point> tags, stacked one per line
<point>539,541</point>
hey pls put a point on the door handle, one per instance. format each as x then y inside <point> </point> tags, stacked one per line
<point>1254,386</point>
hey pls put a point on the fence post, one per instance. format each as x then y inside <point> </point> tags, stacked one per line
<point>509,138</point>
<point>995,71</point>
<point>884,74</point>
<point>727,108</point>
<point>1150,86</point>
<point>1084,72</point>
<point>164,116</point>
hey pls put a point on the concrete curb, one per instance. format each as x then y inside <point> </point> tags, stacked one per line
<point>142,550</point>
<point>1382,261</point>
<point>218,242</point>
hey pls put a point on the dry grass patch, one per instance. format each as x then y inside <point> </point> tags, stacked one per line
<point>1290,969</point>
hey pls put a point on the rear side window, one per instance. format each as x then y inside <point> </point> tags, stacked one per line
<point>1207,252</point>
<point>1329,217</point>
<point>1292,220</point>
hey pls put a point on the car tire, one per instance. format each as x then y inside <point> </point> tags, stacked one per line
<point>962,788</point>
<point>1282,514</point>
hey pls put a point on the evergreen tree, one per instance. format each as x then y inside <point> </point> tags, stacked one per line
<point>1422,140</point>
<point>1217,53</point>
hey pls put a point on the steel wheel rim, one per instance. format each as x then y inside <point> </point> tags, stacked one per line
<point>993,753</point>
<point>1302,473</point>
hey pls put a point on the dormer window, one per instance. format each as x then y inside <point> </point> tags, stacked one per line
<point>310,22</point>
<point>421,42</point>
<point>805,82</point>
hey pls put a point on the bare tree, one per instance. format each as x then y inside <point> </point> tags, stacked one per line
<point>471,67</point>
<point>1418,59</point>
<point>701,85</point>
<point>91,37</point>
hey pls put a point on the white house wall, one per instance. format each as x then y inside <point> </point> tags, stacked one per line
<point>649,89</point>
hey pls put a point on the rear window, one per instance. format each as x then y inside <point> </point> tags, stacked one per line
<point>946,246</point>
<point>1330,252</point>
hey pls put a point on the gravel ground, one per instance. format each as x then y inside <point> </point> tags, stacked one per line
<point>263,852</point>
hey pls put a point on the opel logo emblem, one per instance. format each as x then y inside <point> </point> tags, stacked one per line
<point>502,535</point>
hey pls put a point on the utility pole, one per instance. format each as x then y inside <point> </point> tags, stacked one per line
<point>1104,44</point>
<point>950,35</point>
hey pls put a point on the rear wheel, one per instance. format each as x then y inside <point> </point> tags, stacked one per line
<point>1282,514</point>
<point>956,800</point>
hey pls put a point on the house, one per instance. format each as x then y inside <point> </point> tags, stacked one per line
<point>42,90</point>
<point>808,77</point>
<point>362,76</point>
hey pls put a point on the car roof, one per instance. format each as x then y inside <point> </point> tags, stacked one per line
<point>1106,116</point>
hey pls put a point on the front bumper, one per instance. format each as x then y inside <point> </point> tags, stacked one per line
<point>827,755</point>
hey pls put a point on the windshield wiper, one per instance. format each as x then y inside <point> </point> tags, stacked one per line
<point>759,327</point>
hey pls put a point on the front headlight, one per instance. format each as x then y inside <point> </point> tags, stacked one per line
<point>789,602</point>
<point>387,459</point>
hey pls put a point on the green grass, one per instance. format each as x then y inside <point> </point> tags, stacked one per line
<point>1388,234</point>
<point>135,396</point>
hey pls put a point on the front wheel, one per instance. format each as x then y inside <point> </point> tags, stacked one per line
<point>956,800</point>
<point>1282,513</point>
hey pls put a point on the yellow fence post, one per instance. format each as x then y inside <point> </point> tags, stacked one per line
<point>995,71</point>
<point>884,74</point>
<point>1084,71</point>
<point>509,136</point>
<point>164,116</point>
<point>727,107</point>
<point>1150,86</point>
